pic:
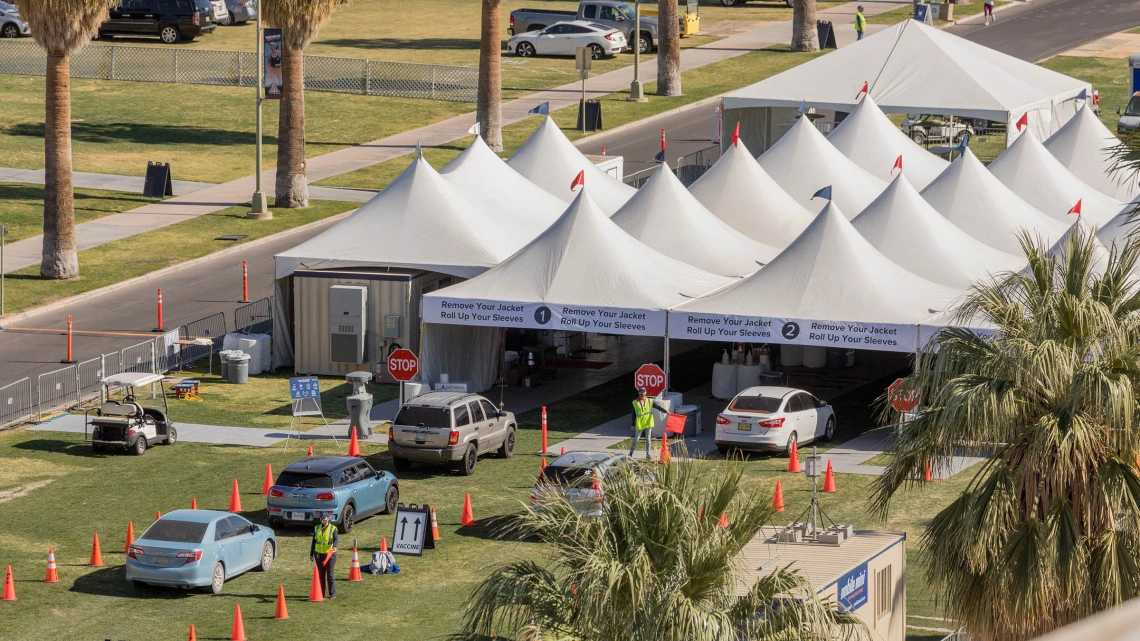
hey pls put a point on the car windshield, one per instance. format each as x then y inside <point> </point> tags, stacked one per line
<point>568,476</point>
<point>424,416</point>
<point>175,531</point>
<point>1133,108</point>
<point>626,10</point>
<point>304,479</point>
<point>762,404</point>
<point>4,6</point>
<point>203,5</point>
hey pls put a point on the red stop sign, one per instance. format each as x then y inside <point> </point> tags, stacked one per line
<point>902,400</point>
<point>651,377</point>
<point>403,365</point>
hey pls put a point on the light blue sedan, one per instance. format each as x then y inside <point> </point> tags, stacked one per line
<point>199,548</point>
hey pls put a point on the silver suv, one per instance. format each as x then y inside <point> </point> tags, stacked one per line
<point>450,427</point>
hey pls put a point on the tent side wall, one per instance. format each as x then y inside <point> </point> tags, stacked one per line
<point>465,353</point>
<point>760,127</point>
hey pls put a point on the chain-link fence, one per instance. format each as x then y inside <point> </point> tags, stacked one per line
<point>239,69</point>
<point>254,318</point>
<point>17,402</point>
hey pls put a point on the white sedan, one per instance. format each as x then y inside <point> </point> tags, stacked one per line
<point>563,38</point>
<point>771,419</point>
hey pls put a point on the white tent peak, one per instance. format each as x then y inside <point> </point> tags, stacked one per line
<point>873,142</point>
<point>665,216</point>
<point>1122,229</point>
<point>737,190</point>
<point>1100,252</point>
<point>1028,169</point>
<point>551,161</point>
<point>907,230</point>
<point>1084,146</point>
<point>803,161</point>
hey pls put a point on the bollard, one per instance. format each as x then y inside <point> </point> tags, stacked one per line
<point>69,359</point>
<point>544,430</point>
<point>603,150</point>
<point>159,328</point>
<point>244,282</point>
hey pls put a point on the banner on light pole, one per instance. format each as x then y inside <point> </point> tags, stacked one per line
<point>272,63</point>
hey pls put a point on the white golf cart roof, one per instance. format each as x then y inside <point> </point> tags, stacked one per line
<point>131,379</point>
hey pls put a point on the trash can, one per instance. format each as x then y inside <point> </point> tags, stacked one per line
<point>239,368</point>
<point>836,358</point>
<point>224,359</point>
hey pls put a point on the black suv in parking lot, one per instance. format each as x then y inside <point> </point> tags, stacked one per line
<point>170,20</point>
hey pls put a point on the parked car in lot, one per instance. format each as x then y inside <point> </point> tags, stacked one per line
<point>126,423</point>
<point>609,13</point>
<point>572,475</point>
<point>346,488</point>
<point>199,548</point>
<point>771,419</point>
<point>450,427</point>
<point>1129,120</point>
<point>927,128</point>
<point>564,38</point>
<point>11,24</point>
<point>221,13</point>
<point>170,20</point>
<point>240,11</point>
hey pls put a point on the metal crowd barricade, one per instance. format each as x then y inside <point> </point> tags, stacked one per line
<point>138,358</point>
<point>212,327</point>
<point>692,166</point>
<point>17,402</point>
<point>58,389</point>
<point>91,372</point>
<point>254,318</point>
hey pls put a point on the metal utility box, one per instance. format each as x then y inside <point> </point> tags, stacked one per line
<point>347,314</point>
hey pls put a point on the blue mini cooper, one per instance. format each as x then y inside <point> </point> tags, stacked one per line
<point>344,487</point>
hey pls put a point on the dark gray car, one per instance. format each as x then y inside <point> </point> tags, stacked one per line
<point>573,475</point>
<point>450,427</point>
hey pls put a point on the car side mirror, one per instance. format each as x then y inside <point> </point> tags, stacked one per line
<point>255,528</point>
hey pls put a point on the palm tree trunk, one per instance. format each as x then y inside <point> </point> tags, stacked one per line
<point>59,260</point>
<point>489,113</point>
<point>668,49</point>
<point>292,189</point>
<point>804,36</point>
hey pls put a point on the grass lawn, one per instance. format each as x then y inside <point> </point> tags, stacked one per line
<point>47,476</point>
<point>105,265</point>
<point>22,207</point>
<point>961,11</point>
<point>698,84</point>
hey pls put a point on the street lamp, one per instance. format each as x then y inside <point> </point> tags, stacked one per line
<point>259,210</point>
<point>636,94</point>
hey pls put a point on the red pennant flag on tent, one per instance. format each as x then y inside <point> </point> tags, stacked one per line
<point>579,180</point>
<point>862,90</point>
<point>1023,121</point>
<point>898,165</point>
<point>736,136</point>
<point>1076,209</point>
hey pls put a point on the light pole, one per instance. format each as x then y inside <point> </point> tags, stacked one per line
<point>258,209</point>
<point>3,235</point>
<point>636,94</point>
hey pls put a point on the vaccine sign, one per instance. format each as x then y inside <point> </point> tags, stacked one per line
<point>852,588</point>
<point>304,387</point>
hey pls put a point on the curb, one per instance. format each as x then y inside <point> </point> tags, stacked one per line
<point>644,121</point>
<point>223,253</point>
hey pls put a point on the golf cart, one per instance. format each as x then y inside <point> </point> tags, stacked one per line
<point>126,424</point>
<point>927,128</point>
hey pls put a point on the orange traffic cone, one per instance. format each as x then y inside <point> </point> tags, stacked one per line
<point>268,482</point>
<point>282,611</point>
<point>130,536</point>
<point>928,474</point>
<point>52,573</point>
<point>96,554</point>
<point>723,522</point>
<point>310,452</point>
<point>193,636</point>
<point>315,593</point>
<point>778,499</point>
<point>239,627</point>
<point>157,514</point>
<point>353,444</point>
<point>468,516</point>
<point>434,527</point>
<point>665,456</point>
<point>9,587</point>
<point>235,499</point>
<point>354,567</point>
<point>794,459</point>
<point>541,465</point>
<point>829,479</point>
<point>193,504</point>
<point>383,544</point>
<point>562,452</point>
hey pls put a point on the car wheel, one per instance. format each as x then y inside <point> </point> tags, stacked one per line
<point>507,449</point>
<point>219,578</point>
<point>981,124</point>
<point>792,438</point>
<point>267,556</point>
<point>401,464</point>
<point>10,31</point>
<point>470,459</point>
<point>140,446</point>
<point>644,43</point>
<point>524,50</point>
<point>392,499</point>
<point>347,520</point>
<point>228,21</point>
<point>171,436</point>
<point>596,52</point>
<point>729,3</point>
<point>829,429</point>
<point>723,449</point>
<point>918,136</point>
<point>169,34</point>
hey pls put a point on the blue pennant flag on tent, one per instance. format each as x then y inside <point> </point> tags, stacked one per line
<point>541,110</point>
<point>964,142</point>
<point>660,157</point>
<point>1083,95</point>
<point>803,107</point>
<point>822,193</point>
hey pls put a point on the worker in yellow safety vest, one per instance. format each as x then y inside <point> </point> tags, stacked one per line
<point>860,23</point>
<point>643,420</point>
<point>322,551</point>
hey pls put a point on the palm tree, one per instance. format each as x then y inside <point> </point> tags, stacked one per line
<point>668,49</point>
<point>649,568</point>
<point>61,27</point>
<point>299,21</point>
<point>804,35</point>
<point>1048,530</point>
<point>489,112</point>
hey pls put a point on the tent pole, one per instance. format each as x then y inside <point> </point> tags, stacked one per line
<point>666,360</point>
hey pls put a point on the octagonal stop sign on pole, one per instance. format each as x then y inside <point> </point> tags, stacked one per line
<point>403,366</point>
<point>902,400</point>
<point>651,377</point>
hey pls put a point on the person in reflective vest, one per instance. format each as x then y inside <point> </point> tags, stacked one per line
<point>322,551</point>
<point>643,421</point>
<point>860,23</point>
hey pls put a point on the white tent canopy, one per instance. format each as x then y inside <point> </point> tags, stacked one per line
<point>1122,229</point>
<point>1084,146</point>
<point>907,230</point>
<point>551,161</point>
<point>419,221</point>
<point>1100,252</point>
<point>665,216</point>
<point>829,288</point>
<point>913,68</point>
<point>972,198</point>
<point>583,273</point>
<point>739,192</point>
<point>870,139</point>
<point>803,162</point>
<point>1042,181</point>
<point>490,183</point>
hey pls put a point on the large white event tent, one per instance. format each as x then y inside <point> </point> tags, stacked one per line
<point>1122,229</point>
<point>870,139</point>
<point>907,230</point>
<point>829,288</point>
<point>665,216</point>
<point>972,198</point>
<point>803,162</point>
<point>549,160</point>
<point>739,192</point>
<point>1042,181</point>
<point>1085,147</point>
<point>910,68</point>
